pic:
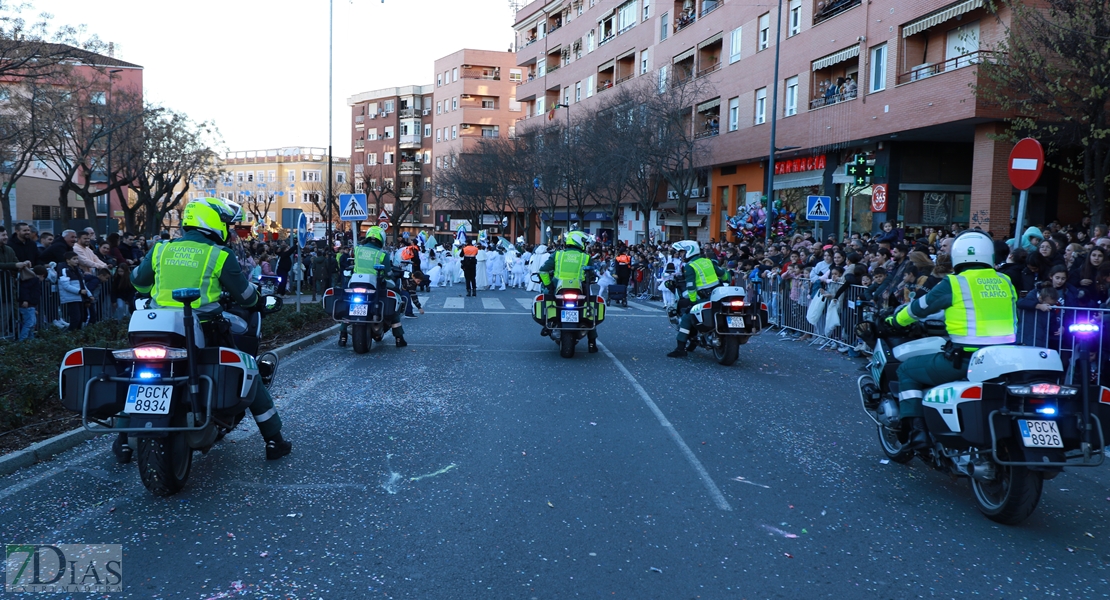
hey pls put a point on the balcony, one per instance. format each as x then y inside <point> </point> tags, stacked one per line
<point>410,167</point>
<point>929,70</point>
<point>625,78</point>
<point>409,141</point>
<point>359,119</point>
<point>835,98</point>
<point>406,192</point>
<point>683,21</point>
<point>360,144</point>
<point>824,10</point>
<point>709,6</point>
<point>409,113</point>
<point>710,69</point>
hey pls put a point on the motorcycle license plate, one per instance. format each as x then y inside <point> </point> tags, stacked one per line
<point>145,399</point>
<point>1040,434</point>
<point>735,322</point>
<point>569,316</point>
<point>359,310</point>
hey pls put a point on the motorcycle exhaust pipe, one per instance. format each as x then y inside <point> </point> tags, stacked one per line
<point>982,470</point>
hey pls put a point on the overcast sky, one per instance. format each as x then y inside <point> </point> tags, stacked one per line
<point>259,68</point>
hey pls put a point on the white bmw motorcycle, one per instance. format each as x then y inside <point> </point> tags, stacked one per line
<point>1009,426</point>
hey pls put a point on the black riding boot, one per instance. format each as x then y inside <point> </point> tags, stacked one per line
<point>277,447</point>
<point>679,352</point>
<point>918,439</point>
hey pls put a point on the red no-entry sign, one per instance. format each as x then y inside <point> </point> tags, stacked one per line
<point>1026,163</point>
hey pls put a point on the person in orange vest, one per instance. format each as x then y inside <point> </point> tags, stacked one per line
<point>470,268</point>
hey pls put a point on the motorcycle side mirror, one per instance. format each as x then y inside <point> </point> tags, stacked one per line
<point>536,278</point>
<point>142,303</point>
<point>271,304</point>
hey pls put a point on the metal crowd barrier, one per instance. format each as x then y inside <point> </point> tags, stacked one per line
<point>1049,329</point>
<point>50,307</point>
<point>788,302</point>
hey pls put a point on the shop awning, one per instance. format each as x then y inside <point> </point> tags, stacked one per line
<point>714,103</point>
<point>941,16</point>
<point>711,40</point>
<point>687,54</point>
<point>790,181</point>
<point>692,221</point>
<point>836,57</point>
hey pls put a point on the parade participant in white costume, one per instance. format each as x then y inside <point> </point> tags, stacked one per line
<point>537,261</point>
<point>480,278</point>
<point>521,269</point>
<point>497,269</point>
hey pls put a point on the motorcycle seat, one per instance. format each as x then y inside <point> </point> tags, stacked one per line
<point>915,348</point>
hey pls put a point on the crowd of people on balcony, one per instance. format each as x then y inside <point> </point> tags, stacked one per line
<point>829,8</point>
<point>828,93</point>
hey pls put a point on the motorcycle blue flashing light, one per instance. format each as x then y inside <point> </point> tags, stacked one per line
<point>357,299</point>
<point>1083,328</point>
<point>1047,411</point>
<point>148,375</point>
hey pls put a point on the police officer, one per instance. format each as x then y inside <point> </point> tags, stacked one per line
<point>166,269</point>
<point>702,275</point>
<point>367,256</point>
<point>979,306</point>
<point>568,268</point>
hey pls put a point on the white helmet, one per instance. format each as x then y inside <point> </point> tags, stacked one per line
<point>691,248</point>
<point>972,247</point>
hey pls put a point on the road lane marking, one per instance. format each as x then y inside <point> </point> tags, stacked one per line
<point>525,303</point>
<point>492,304</point>
<point>639,306</point>
<point>26,483</point>
<point>714,491</point>
<point>453,303</point>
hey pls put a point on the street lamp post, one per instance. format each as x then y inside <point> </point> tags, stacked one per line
<point>331,53</point>
<point>771,155</point>
<point>108,168</point>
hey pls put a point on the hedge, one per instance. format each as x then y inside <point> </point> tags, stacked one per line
<point>29,369</point>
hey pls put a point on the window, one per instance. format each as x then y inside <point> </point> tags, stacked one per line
<point>734,45</point>
<point>372,158</point>
<point>626,16</point>
<point>490,131</point>
<point>643,62</point>
<point>372,134</point>
<point>764,31</point>
<point>566,95</point>
<point>387,158</point>
<point>578,92</point>
<point>795,18</point>
<point>271,176</point>
<point>455,103</point>
<point>761,106</point>
<point>662,79</point>
<point>516,75</point>
<point>389,132</point>
<point>427,157</point>
<point>427,130</point>
<point>439,162</point>
<point>878,68</point>
<point>388,106</point>
<point>488,104</point>
<point>341,177</point>
<point>437,134</point>
<point>292,176</point>
<point>312,176</point>
<point>539,106</point>
<point>405,129</point>
<point>97,98</point>
<point>261,176</point>
<point>250,177</point>
<point>589,41</point>
<point>647,9</point>
<point>439,108</point>
<point>733,114</point>
<point>439,80</point>
<point>455,74</point>
<point>590,86</point>
<point>426,209</point>
<point>454,132</point>
<point>791,107</point>
<point>664,26</point>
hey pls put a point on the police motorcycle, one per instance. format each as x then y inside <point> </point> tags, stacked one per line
<point>570,312</point>
<point>361,305</point>
<point>184,384</point>
<point>724,320</point>
<point>1009,426</point>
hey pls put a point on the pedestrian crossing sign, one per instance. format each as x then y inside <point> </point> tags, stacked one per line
<point>353,207</point>
<point>817,208</point>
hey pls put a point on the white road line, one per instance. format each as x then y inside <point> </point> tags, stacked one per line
<point>453,303</point>
<point>714,491</point>
<point>525,303</point>
<point>642,306</point>
<point>26,483</point>
<point>492,304</point>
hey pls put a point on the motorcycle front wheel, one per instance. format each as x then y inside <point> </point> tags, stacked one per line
<point>165,463</point>
<point>728,351</point>
<point>1011,497</point>
<point>360,338</point>
<point>892,447</point>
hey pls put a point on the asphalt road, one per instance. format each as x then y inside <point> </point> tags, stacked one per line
<point>477,463</point>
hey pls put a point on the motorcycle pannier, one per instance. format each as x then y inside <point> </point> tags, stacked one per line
<point>105,397</point>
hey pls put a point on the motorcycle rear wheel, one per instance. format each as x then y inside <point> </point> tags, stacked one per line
<point>566,345</point>
<point>729,350</point>
<point>1011,497</point>
<point>360,338</point>
<point>165,463</point>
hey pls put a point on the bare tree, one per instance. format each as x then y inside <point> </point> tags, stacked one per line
<point>33,47</point>
<point>1051,73</point>
<point>24,124</point>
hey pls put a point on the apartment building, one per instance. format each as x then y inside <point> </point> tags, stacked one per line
<point>904,76</point>
<point>391,134</point>
<point>274,186</point>
<point>475,99</point>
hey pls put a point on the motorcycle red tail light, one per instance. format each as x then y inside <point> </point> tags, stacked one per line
<point>1045,389</point>
<point>75,358</point>
<point>569,296</point>
<point>227,357</point>
<point>150,353</point>
<point>972,393</point>
<point>707,306</point>
<point>736,304</point>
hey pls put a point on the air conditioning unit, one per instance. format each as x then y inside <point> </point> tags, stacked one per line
<point>373,116</point>
<point>705,192</point>
<point>695,193</point>
<point>672,195</point>
<point>382,115</point>
<point>427,111</point>
<point>922,71</point>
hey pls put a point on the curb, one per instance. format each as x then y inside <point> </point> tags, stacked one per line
<point>47,449</point>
